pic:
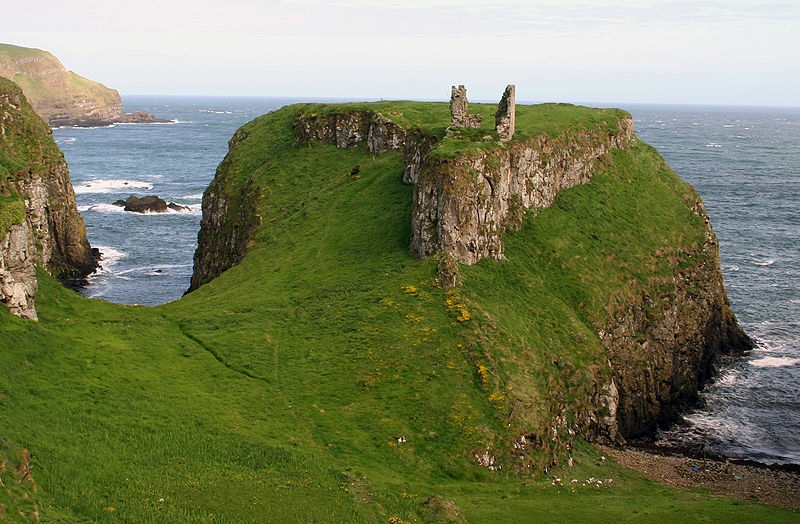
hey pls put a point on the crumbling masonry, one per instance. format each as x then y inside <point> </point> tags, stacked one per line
<point>505,117</point>
<point>459,117</point>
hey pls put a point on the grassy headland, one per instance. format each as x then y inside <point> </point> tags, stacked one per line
<point>327,379</point>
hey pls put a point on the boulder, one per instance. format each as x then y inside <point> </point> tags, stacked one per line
<point>149,204</point>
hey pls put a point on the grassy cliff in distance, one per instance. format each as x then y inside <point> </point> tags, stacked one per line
<point>326,378</point>
<point>61,97</point>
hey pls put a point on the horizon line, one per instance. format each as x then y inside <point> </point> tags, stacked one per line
<point>476,101</point>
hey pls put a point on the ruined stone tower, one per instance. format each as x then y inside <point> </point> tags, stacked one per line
<point>506,116</point>
<point>459,107</point>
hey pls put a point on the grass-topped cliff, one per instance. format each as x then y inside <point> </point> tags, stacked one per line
<point>327,377</point>
<point>61,97</point>
<point>39,221</point>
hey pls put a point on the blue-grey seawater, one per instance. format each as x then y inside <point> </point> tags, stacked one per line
<point>745,162</point>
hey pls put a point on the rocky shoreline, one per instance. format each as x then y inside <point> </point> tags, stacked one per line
<point>137,117</point>
<point>774,485</point>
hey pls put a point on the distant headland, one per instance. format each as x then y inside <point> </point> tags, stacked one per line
<point>61,97</point>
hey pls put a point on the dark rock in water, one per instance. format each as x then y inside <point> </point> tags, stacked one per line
<point>177,207</point>
<point>148,204</point>
<point>140,117</point>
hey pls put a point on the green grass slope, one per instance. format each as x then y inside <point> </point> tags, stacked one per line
<point>326,379</point>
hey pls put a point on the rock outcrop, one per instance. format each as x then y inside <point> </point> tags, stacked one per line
<point>61,97</point>
<point>148,204</point>
<point>348,129</point>
<point>463,205</point>
<point>50,231</point>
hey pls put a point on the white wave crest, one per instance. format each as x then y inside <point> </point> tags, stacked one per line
<point>193,209</point>
<point>196,196</point>
<point>774,362</point>
<point>765,262</point>
<point>102,208</point>
<point>110,256</point>
<point>102,185</point>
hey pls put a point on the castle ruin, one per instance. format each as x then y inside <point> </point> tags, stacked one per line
<point>459,116</point>
<point>505,117</point>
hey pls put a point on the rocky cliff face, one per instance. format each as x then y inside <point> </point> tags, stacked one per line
<point>463,205</point>
<point>61,97</point>
<point>348,129</point>
<point>229,217</point>
<point>659,349</point>
<point>50,232</point>
<point>662,349</point>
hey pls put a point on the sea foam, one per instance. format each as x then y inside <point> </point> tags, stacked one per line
<point>103,185</point>
<point>774,362</point>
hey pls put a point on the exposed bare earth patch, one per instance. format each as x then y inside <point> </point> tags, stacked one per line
<point>752,483</point>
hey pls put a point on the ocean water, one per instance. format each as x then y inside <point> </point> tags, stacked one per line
<point>745,162</point>
<point>147,259</point>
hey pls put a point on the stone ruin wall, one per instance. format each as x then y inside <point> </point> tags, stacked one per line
<point>505,120</point>
<point>459,109</point>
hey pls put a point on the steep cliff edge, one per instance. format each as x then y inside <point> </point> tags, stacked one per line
<point>627,298</point>
<point>39,221</point>
<point>61,97</point>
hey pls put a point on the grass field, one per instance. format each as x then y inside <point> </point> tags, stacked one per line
<point>326,379</point>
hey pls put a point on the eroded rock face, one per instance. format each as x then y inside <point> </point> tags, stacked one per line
<point>348,129</point>
<point>463,205</point>
<point>18,285</point>
<point>686,329</point>
<point>229,217</point>
<point>52,233</point>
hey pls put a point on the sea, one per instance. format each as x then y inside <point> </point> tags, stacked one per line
<point>744,161</point>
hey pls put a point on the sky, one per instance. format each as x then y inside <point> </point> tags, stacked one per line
<point>731,52</point>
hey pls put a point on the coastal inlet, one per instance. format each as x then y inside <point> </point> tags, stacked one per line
<point>147,257</point>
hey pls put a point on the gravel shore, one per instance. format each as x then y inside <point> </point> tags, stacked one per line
<point>764,484</point>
